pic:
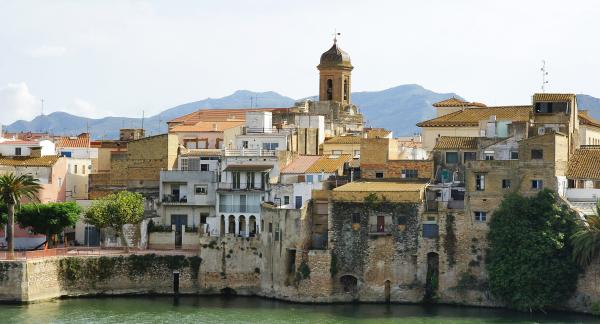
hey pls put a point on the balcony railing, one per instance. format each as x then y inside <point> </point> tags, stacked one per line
<point>174,199</point>
<point>239,209</point>
<point>267,130</point>
<point>380,229</point>
<point>249,152</point>
<point>241,186</point>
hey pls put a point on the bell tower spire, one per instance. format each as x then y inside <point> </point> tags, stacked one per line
<point>335,71</point>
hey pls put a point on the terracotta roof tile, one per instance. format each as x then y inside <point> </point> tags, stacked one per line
<point>329,164</point>
<point>204,126</point>
<point>585,164</point>
<point>455,142</point>
<point>218,115</point>
<point>300,164</point>
<point>585,119</point>
<point>378,133</point>
<point>344,140</point>
<point>456,102</point>
<point>82,140</point>
<point>29,161</point>
<point>553,97</point>
<point>472,116</point>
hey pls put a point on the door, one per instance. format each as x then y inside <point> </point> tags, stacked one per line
<point>298,202</point>
<point>380,224</point>
<point>178,221</point>
<point>92,236</point>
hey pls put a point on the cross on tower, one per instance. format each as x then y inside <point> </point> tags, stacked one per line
<point>335,35</point>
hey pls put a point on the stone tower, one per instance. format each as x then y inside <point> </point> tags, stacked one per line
<point>335,72</point>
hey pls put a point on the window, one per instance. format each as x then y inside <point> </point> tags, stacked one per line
<point>451,157</point>
<point>270,227</point>
<point>83,169</point>
<point>200,189</point>
<point>356,152</point>
<point>379,175</point>
<point>244,144</point>
<point>470,156</point>
<point>480,216</point>
<point>505,183</point>
<point>309,178</point>
<point>203,217</point>
<point>17,151</point>
<point>286,200</point>
<point>203,167</point>
<point>489,156</point>
<point>430,230</point>
<point>410,174</point>
<point>270,146</point>
<point>250,180</point>
<point>537,184</point>
<point>236,180</point>
<point>329,89</point>
<point>480,182</point>
<point>537,154</point>
<point>355,218</point>
<point>336,152</point>
<point>514,155</point>
<point>319,177</point>
<point>75,169</point>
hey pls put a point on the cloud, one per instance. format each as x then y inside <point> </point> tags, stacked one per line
<point>81,107</point>
<point>47,51</point>
<point>16,102</point>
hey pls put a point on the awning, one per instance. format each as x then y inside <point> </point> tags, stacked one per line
<point>249,167</point>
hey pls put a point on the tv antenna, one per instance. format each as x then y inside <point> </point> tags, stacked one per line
<point>254,101</point>
<point>544,76</point>
<point>42,100</point>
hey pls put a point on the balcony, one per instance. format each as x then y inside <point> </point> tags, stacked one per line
<point>267,130</point>
<point>249,152</point>
<point>379,230</point>
<point>239,209</point>
<point>172,199</point>
<point>583,194</point>
<point>242,186</point>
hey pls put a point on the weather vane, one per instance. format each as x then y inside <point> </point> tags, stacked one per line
<point>335,35</point>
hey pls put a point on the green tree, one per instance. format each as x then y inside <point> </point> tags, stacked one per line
<point>116,210</point>
<point>13,189</point>
<point>529,260</point>
<point>586,239</point>
<point>49,219</point>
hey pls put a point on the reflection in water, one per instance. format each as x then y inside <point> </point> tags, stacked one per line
<point>234,309</point>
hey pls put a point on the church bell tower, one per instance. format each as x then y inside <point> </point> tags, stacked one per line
<point>335,72</point>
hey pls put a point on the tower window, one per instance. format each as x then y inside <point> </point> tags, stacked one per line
<point>329,89</point>
<point>345,89</point>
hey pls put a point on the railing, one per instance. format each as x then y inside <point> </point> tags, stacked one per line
<point>380,229</point>
<point>267,130</point>
<point>249,152</point>
<point>239,209</point>
<point>241,186</point>
<point>174,199</point>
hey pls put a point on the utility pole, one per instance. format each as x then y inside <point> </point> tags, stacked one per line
<point>544,76</point>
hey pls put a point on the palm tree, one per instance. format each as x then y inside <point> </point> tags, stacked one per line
<point>13,189</point>
<point>586,239</point>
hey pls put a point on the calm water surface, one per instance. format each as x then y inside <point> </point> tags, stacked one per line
<point>256,310</point>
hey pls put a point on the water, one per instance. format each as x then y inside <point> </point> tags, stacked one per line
<point>257,310</point>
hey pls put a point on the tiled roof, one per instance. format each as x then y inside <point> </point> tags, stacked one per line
<point>585,164</point>
<point>29,161</point>
<point>378,133</point>
<point>82,140</point>
<point>218,115</point>
<point>300,164</point>
<point>585,119</point>
<point>204,126</point>
<point>30,143</point>
<point>328,164</point>
<point>381,186</point>
<point>455,142</point>
<point>201,152</point>
<point>472,116</point>
<point>455,102</point>
<point>344,140</point>
<point>553,96</point>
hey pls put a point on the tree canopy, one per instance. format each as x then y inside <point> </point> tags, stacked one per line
<point>586,240</point>
<point>529,260</point>
<point>50,218</point>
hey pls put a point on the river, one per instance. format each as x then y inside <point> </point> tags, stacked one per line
<point>220,309</point>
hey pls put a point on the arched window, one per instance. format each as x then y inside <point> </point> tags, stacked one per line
<point>329,89</point>
<point>345,89</point>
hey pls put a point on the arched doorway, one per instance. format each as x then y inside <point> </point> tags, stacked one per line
<point>231,229</point>
<point>222,227</point>
<point>432,279</point>
<point>387,290</point>
<point>349,283</point>
<point>242,226</point>
<point>252,225</point>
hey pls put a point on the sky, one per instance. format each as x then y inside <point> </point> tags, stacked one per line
<point>101,58</point>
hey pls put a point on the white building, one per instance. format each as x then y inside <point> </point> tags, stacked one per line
<point>23,148</point>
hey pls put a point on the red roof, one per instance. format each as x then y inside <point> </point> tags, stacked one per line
<point>82,140</point>
<point>219,115</point>
<point>19,143</point>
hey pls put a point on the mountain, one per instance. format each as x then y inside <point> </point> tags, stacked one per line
<point>398,109</point>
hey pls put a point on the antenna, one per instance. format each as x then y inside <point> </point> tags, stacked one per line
<point>159,122</point>
<point>42,100</point>
<point>544,75</point>
<point>142,120</point>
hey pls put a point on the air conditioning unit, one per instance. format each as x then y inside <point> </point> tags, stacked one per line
<point>541,130</point>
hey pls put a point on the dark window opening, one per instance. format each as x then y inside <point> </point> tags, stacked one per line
<point>505,183</point>
<point>430,230</point>
<point>355,218</point>
<point>410,174</point>
<point>537,154</point>
<point>379,175</point>
<point>480,182</point>
<point>514,155</point>
<point>470,156</point>
<point>329,89</point>
<point>451,157</point>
